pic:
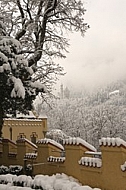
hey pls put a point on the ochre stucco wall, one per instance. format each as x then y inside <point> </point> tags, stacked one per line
<point>24,127</point>
<point>108,176</point>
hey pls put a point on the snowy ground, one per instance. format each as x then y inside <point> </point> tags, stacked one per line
<point>54,182</point>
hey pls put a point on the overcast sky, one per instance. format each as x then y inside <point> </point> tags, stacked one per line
<point>100,56</point>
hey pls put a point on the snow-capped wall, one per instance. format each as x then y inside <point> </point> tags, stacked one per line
<point>30,155</point>
<point>55,159</point>
<point>20,140</point>
<point>87,161</point>
<point>112,142</point>
<point>78,141</point>
<point>50,141</point>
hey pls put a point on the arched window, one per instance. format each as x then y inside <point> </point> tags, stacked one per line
<point>10,129</point>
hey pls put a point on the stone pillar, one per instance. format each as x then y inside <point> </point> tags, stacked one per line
<point>21,151</point>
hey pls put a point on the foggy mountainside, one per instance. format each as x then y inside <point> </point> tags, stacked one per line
<point>101,113</point>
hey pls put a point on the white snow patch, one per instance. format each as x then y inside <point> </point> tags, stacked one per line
<point>30,155</point>
<point>112,142</point>
<point>116,92</point>
<point>123,167</point>
<point>88,161</point>
<point>18,90</point>
<point>3,58</point>
<point>21,61</point>
<point>54,182</point>
<point>6,67</point>
<point>38,85</point>
<point>47,141</point>
<point>29,70</point>
<point>55,159</point>
<point>77,141</point>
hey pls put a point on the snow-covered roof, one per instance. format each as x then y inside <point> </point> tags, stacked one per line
<point>21,115</point>
<point>112,142</point>
<point>55,159</point>
<point>26,140</point>
<point>30,115</point>
<point>23,119</point>
<point>50,141</point>
<point>87,161</point>
<point>78,141</point>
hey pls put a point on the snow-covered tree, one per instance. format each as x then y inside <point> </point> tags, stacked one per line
<point>57,135</point>
<point>42,27</point>
<point>18,87</point>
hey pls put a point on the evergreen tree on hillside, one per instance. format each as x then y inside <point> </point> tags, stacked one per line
<point>18,88</point>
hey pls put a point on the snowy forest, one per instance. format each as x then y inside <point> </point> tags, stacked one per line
<point>90,115</point>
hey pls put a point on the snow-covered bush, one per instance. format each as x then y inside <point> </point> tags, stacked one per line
<point>12,169</point>
<point>15,169</point>
<point>28,169</point>
<point>42,182</point>
<point>4,169</point>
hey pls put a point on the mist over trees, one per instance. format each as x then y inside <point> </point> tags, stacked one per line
<point>90,115</point>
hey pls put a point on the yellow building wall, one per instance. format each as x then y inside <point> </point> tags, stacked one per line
<point>112,159</point>
<point>44,151</point>
<point>108,176</point>
<point>25,127</point>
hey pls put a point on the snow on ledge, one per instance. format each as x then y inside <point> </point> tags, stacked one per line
<point>78,141</point>
<point>50,141</point>
<point>112,142</point>
<point>55,159</point>
<point>87,161</point>
<point>123,167</point>
<point>30,155</point>
<point>20,140</point>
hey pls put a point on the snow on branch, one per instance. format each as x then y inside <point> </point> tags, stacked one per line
<point>18,90</point>
<point>38,85</point>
